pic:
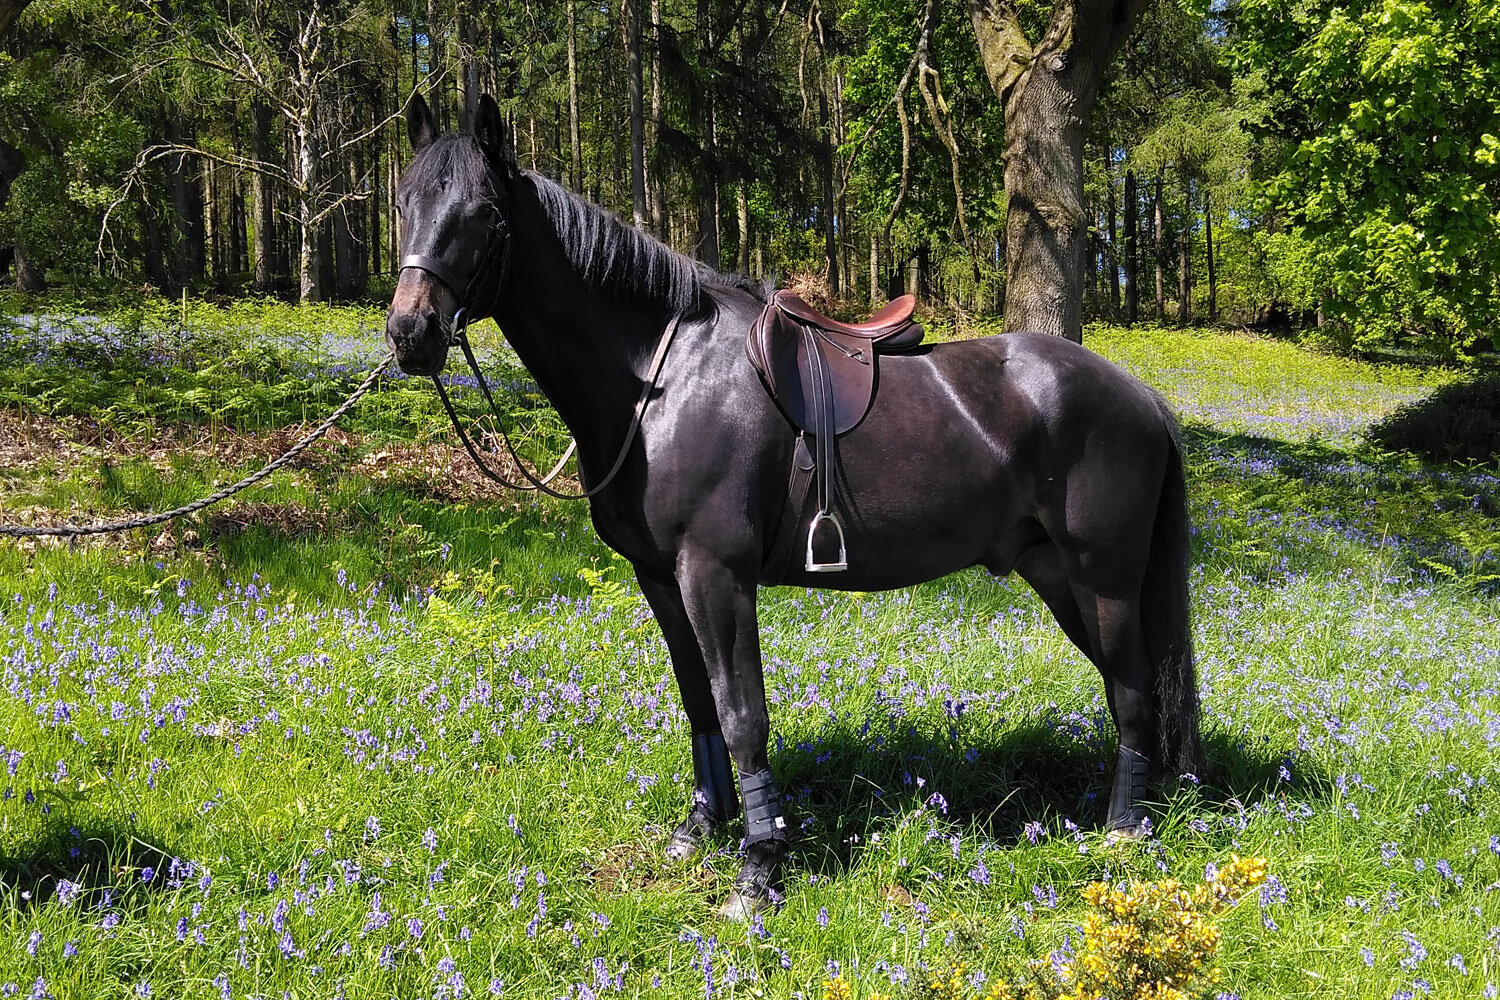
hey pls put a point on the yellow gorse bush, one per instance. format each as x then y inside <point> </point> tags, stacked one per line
<point>1155,940</point>
<point>1146,941</point>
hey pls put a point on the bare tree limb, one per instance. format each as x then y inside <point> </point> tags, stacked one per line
<point>931,87</point>
<point>929,21</point>
<point>9,11</point>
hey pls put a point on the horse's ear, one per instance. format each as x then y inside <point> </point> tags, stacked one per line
<point>489,129</point>
<point>421,127</point>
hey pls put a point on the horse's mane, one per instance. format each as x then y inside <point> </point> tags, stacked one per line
<point>607,252</point>
<point>611,254</point>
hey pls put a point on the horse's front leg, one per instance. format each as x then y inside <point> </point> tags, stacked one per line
<point>720,603</point>
<point>715,800</point>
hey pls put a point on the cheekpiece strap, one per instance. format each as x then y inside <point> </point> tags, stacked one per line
<point>763,816</point>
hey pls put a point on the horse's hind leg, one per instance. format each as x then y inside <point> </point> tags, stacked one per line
<point>715,800</point>
<point>1108,631</point>
<point>1114,627</point>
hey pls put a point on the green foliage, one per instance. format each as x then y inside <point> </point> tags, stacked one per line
<point>1380,149</point>
<point>888,33</point>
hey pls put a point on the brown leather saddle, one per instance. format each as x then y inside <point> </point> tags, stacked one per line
<point>822,374</point>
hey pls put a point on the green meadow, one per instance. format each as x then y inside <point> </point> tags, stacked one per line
<point>377,730</point>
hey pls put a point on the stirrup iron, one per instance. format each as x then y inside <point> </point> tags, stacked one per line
<point>812,565</point>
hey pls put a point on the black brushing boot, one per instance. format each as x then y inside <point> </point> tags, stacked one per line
<point>714,798</point>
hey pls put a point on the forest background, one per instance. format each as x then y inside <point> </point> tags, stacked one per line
<point>1293,163</point>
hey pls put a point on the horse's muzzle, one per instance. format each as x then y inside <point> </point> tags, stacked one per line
<point>419,340</point>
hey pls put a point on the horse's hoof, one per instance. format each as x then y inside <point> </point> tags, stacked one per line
<point>742,906</point>
<point>755,885</point>
<point>683,844</point>
<point>1128,834</point>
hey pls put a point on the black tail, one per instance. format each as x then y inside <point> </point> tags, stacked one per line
<point>1165,621</point>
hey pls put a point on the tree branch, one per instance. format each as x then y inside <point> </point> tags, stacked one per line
<point>9,11</point>
<point>929,22</point>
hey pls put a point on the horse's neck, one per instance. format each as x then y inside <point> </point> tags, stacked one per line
<point>587,352</point>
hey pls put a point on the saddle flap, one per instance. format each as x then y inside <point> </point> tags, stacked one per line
<point>779,351</point>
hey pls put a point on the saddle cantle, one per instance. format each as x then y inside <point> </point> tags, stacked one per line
<point>822,374</point>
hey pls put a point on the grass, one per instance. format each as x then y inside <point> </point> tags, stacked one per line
<point>377,732</point>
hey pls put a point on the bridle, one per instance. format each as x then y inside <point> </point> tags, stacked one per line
<point>497,255</point>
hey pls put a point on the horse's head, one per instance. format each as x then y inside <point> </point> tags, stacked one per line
<point>453,201</point>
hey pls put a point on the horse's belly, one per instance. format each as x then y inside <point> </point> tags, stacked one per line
<point>929,482</point>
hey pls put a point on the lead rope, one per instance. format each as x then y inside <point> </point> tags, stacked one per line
<point>652,374</point>
<point>104,527</point>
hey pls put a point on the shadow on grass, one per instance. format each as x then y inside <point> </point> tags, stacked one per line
<point>1459,422</point>
<point>1032,773</point>
<point>1276,507</point>
<point>93,860</point>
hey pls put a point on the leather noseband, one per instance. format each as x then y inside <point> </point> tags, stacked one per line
<point>496,250</point>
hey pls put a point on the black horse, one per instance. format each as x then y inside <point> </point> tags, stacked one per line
<point>1022,452</point>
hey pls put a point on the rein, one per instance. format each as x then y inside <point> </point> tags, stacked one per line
<point>648,386</point>
<point>497,250</point>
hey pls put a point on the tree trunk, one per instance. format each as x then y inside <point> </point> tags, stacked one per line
<point>742,213</point>
<point>1095,263</point>
<point>1213,278</point>
<point>343,239</point>
<point>825,170</point>
<point>1113,255</point>
<point>659,216</point>
<point>9,11</point>
<point>1048,92</point>
<point>260,190</point>
<point>575,139</point>
<point>436,88</point>
<point>373,228</point>
<point>12,163</point>
<point>701,107</point>
<point>1185,256</point>
<point>1046,229</point>
<point>637,113</point>
<point>152,246</point>
<point>1132,287</point>
<point>874,268</point>
<point>1160,226</point>
<point>309,256</point>
<point>213,229</point>
<point>187,212</point>
<point>241,227</point>
<point>468,41</point>
<point>29,277</point>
